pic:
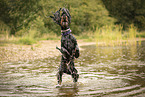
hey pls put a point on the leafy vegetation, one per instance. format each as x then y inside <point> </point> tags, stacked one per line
<point>127,12</point>
<point>28,20</point>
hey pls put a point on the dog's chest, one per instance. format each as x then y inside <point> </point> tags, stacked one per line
<point>67,42</point>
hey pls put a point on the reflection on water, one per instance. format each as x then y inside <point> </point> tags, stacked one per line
<point>104,71</point>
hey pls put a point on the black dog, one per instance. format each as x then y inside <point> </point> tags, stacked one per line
<point>69,50</point>
<point>69,47</point>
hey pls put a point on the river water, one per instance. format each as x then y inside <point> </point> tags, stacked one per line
<point>104,71</point>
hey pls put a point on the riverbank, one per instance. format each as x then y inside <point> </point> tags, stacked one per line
<point>41,50</point>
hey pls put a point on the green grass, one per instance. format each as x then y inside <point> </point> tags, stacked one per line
<point>26,41</point>
<point>29,40</point>
<point>114,35</point>
<point>106,36</point>
<point>86,36</point>
<point>49,36</point>
<point>141,35</point>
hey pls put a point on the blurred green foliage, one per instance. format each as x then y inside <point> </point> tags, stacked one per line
<point>23,17</point>
<point>127,12</point>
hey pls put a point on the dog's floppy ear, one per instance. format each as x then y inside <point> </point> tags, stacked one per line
<point>56,18</point>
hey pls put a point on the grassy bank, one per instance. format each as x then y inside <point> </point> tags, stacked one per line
<point>115,35</point>
<point>105,36</point>
<point>29,39</point>
<point>26,39</point>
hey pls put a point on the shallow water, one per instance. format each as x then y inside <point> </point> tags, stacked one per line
<point>104,71</point>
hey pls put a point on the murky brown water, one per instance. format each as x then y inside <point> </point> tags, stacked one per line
<point>104,71</point>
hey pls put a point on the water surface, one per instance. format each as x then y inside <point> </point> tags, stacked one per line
<point>104,71</point>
